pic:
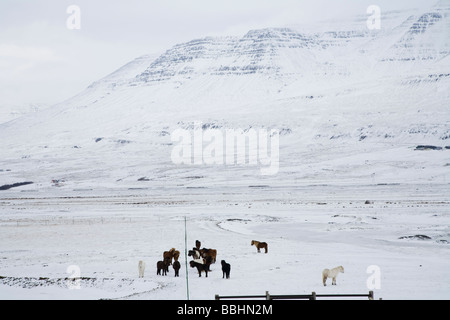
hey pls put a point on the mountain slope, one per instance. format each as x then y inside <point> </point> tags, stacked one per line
<point>351,103</point>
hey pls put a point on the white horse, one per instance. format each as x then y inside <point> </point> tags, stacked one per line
<point>327,273</point>
<point>196,255</point>
<point>198,258</point>
<point>141,268</point>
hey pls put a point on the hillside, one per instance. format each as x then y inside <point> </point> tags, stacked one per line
<point>351,104</point>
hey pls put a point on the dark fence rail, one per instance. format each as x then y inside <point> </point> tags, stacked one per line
<point>312,296</point>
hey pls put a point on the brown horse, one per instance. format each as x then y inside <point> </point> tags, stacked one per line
<point>170,255</point>
<point>176,255</point>
<point>260,245</point>
<point>209,253</point>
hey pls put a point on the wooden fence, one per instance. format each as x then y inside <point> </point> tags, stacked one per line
<point>312,296</point>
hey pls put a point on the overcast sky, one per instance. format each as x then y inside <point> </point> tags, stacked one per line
<point>43,61</point>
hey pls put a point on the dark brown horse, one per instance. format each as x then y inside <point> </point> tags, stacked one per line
<point>176,266</point>
<point>162,266</point>
<point>226,268</point>
<point>200,267</point>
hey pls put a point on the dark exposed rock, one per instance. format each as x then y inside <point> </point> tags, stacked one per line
<point>417,236</point>
<point>427,147</point>
<point>14,185</point>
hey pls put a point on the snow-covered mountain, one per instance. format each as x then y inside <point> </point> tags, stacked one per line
<point>350,103</point>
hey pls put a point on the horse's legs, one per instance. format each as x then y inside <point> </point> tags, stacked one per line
<point>334,281</point>
<point>324,279</point>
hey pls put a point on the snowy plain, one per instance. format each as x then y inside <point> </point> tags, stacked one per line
<point>308,229</point>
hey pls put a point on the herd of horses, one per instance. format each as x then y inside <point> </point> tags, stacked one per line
<point>203,258</point>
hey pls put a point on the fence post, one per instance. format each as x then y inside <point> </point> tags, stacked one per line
<point>371,295</point>
<point>268,296</point>
<point>313,296</point>
<point>217,297</point>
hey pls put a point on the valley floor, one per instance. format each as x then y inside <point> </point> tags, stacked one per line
<point>105,233</point>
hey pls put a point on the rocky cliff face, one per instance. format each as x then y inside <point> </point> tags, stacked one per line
<point>286,54</point>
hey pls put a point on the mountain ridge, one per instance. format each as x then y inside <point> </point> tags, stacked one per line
<point>356,90</point>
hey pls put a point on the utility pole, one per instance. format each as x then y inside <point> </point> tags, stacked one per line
<point>185,258</point>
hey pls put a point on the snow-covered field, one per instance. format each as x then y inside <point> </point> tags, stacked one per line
<point>308,229</point>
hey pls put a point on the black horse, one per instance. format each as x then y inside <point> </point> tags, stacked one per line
<point>226,268</point>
